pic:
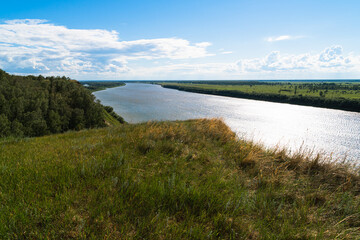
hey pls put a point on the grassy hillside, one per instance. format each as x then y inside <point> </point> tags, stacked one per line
<point>170,180</point>
<point>110,120</point>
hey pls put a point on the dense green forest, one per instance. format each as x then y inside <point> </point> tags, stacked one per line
<point>37,105</point>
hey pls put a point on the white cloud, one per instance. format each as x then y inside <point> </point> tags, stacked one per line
<point>331,60</point>
<point>36,46</point>
<point>33,46</point>
<point>282,38</point>
<point>26,21</point>
<point>226,52</point>
<point>223,51</point>
<point>329,63</point>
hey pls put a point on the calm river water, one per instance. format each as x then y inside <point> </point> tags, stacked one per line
<point>323,130</point>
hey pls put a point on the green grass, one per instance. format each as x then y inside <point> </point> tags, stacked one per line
<point>110,120</point>
<point>344,96</point>
<point>343,90</point>
<point>170,180</point>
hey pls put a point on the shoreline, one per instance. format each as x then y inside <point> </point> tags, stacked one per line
<point>342,104</point>
<point>100,86</point>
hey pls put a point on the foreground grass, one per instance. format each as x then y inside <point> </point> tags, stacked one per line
<point>170,180</point>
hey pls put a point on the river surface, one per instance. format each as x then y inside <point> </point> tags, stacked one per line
<point>333,132</point>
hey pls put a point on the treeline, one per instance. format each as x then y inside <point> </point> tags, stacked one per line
<point>224,82</point>
<point>334,103</point>
<point>305,84</point>
<point>212,82</point>
<point>329,86</point>
<point>101,85</point>
<point>37,105</point>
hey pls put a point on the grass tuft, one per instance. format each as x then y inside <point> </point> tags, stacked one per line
<point>171,180</point>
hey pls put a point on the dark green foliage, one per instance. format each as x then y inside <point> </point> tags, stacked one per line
<point>35,106</point>
<point>4,125</point>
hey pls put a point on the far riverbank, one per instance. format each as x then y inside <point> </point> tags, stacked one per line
<point>332,103</point>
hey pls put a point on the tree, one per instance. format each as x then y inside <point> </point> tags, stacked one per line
<point>37,105</point>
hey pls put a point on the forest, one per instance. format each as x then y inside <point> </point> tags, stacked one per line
<point>36,105</point>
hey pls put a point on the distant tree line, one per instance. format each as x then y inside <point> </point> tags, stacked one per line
<point>101,85</point>
<point>37,105</point>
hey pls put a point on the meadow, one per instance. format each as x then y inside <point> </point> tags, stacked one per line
<point>171,180</point>
<point>345,90</point>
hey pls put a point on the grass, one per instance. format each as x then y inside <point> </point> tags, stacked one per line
<point>171,180</point>
<point>110,120</point>
<point>342,90</point>
<point>343,96</point>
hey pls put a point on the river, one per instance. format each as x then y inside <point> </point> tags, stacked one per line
<point>335,133</point>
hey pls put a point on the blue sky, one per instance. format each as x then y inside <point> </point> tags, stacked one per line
<point>181,39</point>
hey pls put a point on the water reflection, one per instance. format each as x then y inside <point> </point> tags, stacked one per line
<point>332,131</point>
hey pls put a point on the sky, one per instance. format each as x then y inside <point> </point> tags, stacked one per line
<point>181,39</point>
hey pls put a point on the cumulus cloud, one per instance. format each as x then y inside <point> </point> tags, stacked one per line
<point>331,59</point>
<point>282,38</point>
<point>331,62</point>
<point>37,46</point>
